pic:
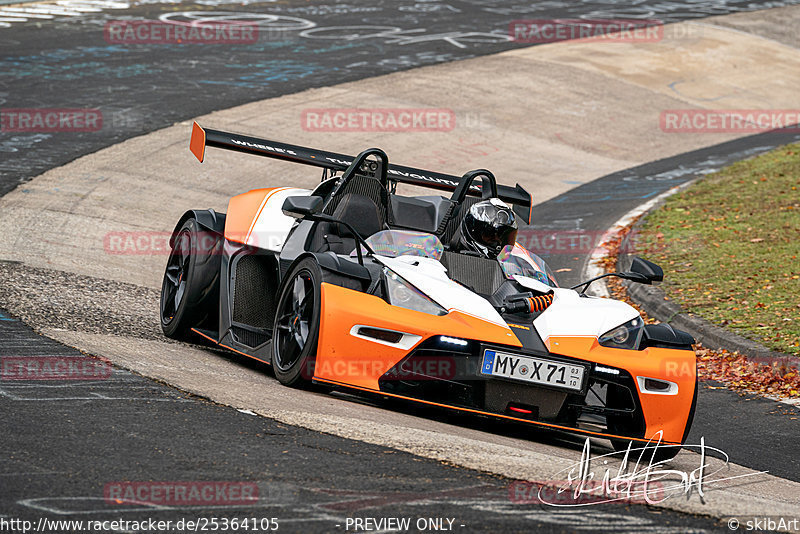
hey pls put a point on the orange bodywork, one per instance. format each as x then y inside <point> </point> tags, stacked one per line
<point>197,144</point>
<point>344,359</point>
<point>667,413</point>
<point>347,359</point>
<point>243,210</point>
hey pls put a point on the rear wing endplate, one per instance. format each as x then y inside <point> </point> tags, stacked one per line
<point>202,138</point>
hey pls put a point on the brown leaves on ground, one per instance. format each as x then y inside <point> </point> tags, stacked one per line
<point>737,372</point>
<point>732,369</point>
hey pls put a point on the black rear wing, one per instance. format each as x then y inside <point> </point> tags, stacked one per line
<point>520,199</point>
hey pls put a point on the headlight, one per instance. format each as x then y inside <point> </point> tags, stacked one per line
<point>401,293</point>
<point>625,336</point>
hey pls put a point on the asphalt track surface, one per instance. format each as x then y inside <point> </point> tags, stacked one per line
<point>63,442</point>
<point>68,63</point>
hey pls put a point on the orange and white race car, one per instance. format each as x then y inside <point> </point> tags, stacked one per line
<point>354,286</point>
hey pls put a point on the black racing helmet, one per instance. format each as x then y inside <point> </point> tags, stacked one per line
<point>488,226</point>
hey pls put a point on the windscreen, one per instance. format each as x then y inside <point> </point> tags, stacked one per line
<point>394,243</point>
<point>515,260</point>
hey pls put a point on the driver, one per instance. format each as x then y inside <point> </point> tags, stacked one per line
<point>488,226</point>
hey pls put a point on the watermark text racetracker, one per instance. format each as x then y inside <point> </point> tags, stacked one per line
<point>50,120</point>
<point>54,368</point>
<point>610,30</point>
<point>421,368</point>
<point>729,120</point>
<point>148,243</point>
<point>159,32</point>
<point>181,493</point>
<point>555,492</point>
<point>378,120</point>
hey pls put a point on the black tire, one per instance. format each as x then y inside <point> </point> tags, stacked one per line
<point>664,452</point>
<point>296,328</point>
<point>190,289</point>
<point>628,425</point>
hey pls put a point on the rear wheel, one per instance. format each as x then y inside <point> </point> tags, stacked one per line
<point>188,291</point>
<point>296,330</point>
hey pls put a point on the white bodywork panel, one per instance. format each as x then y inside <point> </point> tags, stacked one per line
<point>571,315</point>
<point>430,277</point>
<point>530,283</point>
<point>271,227</point>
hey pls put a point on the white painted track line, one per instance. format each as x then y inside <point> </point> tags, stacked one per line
<point>594,266</point>
<point>5,12</point>
<point>59,8</point>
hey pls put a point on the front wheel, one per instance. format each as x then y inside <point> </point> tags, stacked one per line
<point>296,330</point>
<point>663,452</point>
<point>628,425</point>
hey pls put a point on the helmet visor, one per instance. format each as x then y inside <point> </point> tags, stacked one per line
<point>493,225</point>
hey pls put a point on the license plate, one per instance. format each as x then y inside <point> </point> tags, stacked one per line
<point>533,370</point>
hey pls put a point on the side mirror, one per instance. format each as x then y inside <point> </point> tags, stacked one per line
<point>643,271</point>
<point>301,206</point>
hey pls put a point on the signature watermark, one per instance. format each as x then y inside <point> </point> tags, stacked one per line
<point>640,476</point>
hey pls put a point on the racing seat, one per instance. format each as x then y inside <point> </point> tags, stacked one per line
<point>364,186</point>
<point>449,228</point>
<point>360,212</point>
<point>360,199</point>
<point>484,276</point>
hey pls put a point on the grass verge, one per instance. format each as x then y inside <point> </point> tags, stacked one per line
<point>729,246</point>
<point>732,369</point>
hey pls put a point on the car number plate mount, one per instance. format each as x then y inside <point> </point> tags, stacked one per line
<point>533,370</point>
